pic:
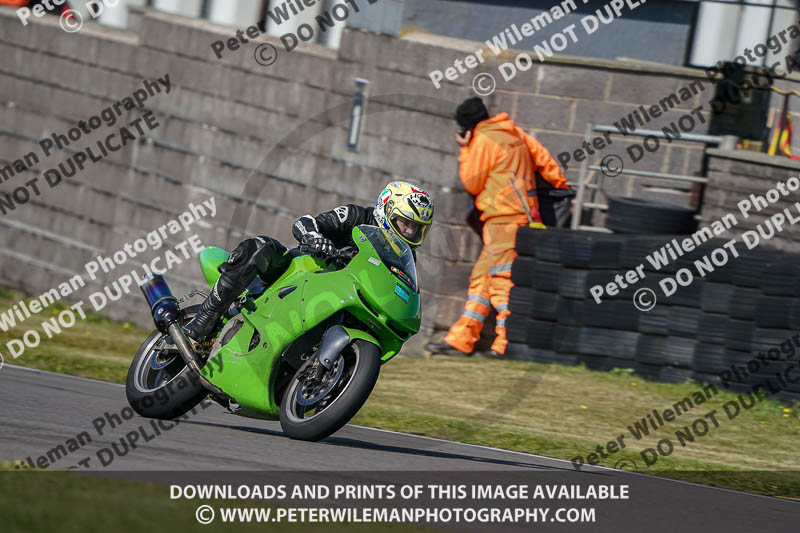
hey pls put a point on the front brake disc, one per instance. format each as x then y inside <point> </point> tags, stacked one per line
<point>311,393</point>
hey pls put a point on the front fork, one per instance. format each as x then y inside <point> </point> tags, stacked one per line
<point>333,342</point>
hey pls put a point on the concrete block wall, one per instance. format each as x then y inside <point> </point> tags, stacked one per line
<point>269,143</point>
<point>734,176</point>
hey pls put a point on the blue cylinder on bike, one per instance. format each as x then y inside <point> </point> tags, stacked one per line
<point>163,305</point>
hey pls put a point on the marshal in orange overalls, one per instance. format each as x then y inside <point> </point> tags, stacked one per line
<point>498,151</point>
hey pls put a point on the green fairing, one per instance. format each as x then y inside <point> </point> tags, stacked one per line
<point>249,376</point>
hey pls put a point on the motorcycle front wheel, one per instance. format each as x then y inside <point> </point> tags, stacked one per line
<point>313,412</point>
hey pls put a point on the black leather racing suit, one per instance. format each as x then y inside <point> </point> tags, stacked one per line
<point>267,258</point>
<point>336,224</point>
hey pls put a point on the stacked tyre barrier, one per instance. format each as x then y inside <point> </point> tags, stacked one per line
<point>736,327</point>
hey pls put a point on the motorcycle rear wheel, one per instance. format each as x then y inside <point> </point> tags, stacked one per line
<point>361,361</point>
<point>159,384</point>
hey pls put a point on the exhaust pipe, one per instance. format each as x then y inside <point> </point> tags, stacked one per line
<point>165,311</point>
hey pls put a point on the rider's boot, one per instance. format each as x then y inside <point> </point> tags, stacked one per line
<point>259,256</point>
<point>228,287</point>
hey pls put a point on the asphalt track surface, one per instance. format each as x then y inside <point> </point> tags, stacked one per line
<point>41,410</point>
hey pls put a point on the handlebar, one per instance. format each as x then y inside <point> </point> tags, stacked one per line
<point>339,257</point>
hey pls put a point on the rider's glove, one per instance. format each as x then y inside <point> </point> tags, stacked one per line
<point>316,244</point>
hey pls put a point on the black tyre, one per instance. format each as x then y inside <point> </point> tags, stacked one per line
<point>638,216</point>
<point>538,304</point>
<point>713,328</point>
<point>650,350</point>
<point>709,358</point>
<point>743,303</point>
<point>749,268</point>
<point>780,278</point>
<point>716,297</point>
<point>670,374</point>
<point>704,378</point>
<point>545,306</point>
<point>594,362</point>
<point>736,366</point>
<point>159,384</point>
<point>520,300</point>
<point>789,396</point>
<point>655,321</point>
<point>769,342</point>
<point>543,356</point>
<point>777,312</point>
<point>684,321</point>
<point>565,339</point>
<point>526,240</point>
<point>635,250</point>
<point>548,245</point>
<point>540,334</point>
<point>608,342</point>
<point>647,371</point>
<point>614,314</point>
<point>572,283</point>
<point>359,364</point>
<point>590,250</point>
<point>546,276</point>
<point>517,326</point>
<point>654,252</point>
<point>602,278</point>
<point>565,359</point>
<point>691,296</point>
<point>570,312</point>
<point>522,271</point>
<point>517,351</point>
<point>739,334</point>
<point>610,363</point>
<point>679,351</point>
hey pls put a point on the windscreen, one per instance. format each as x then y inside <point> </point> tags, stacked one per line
<point>395,254</point>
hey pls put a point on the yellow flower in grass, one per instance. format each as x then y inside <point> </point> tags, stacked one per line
<point>785,410</point>
<point>785,415</point>
<point>126,325</point>
<point>583,407</point>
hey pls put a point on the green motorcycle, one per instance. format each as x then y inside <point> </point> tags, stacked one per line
<point>306,351</point>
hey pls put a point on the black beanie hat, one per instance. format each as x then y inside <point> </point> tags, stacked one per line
<point>470,112</point>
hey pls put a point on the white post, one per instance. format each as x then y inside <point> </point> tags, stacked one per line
<point>187,8</point>
<point>116,14</point>
<point>284,17</point>
<point>713,39</point>
<point>753,29</point>
<point>239,13</point>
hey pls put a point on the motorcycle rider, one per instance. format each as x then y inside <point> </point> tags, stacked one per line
<point>402,208</point>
